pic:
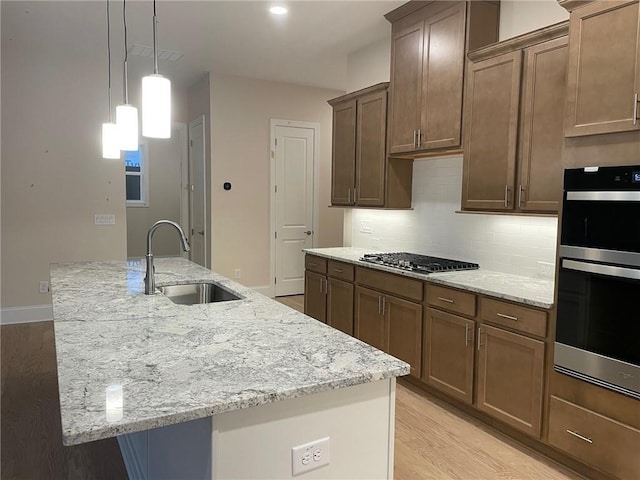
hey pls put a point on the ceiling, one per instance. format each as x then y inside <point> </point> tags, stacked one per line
<point>308,46</point>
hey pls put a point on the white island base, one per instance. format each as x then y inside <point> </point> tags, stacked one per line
<point>257,442</point>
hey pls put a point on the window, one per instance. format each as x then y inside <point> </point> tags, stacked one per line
<point>135,164</point>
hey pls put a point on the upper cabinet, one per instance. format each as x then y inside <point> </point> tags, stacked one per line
<point>428,46</point>
<point>514,111</point>
<point>361,175</point>
<point>604,69</point>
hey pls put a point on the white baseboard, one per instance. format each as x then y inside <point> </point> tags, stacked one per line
<point>28,314</point>
<point>266,290</point>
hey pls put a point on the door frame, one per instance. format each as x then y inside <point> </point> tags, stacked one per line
<point>185,221</point>
<point>197,120</point>
<point>272,194</point>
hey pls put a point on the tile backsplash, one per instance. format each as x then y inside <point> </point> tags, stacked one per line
<point>522,245</point>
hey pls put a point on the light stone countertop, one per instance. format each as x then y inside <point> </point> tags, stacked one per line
<point>535,292</point>
<point>177,363</point>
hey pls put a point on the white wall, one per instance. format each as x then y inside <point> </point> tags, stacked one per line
<point>241,109</point>
<point>510,244</point>
<point>54,178</point>
<point>370,64</point>
<point>518,17</point>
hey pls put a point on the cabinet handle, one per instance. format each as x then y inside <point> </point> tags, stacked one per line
<point>419,142</point>
<point>448,300</point>
<point>337,270</point>
<point>506,196</point>
<point>466,335</point>
<point>311,264</point>
<point>355,194</point>
<point>415,139</point>
<point>520,196</point>
<point>635,108</point>
<point>479,337</point>
<point>384,305</point>
<point>349,195</point>
<point>508,317</point>
<point>379,305</point>
<point>581,437</point>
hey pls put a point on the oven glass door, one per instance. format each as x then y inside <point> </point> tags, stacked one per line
<point>599,311</point>
<point>610,225</point>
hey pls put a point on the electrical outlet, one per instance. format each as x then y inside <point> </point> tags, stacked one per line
<point>310,456</point>
<point>43,286</point>
<point>236,274</point>
<point>104,219</point>
<point>546,269</point>
<point>375,242</point>
<point>365,226</point>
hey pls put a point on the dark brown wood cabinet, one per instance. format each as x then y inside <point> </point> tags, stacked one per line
<point>385,320</point>
<point>515,96</point>
<point>361,175</point>
<point>428,44</point>
<point>511,378</point>
<point>448,358</point>
<point>328,292</point>
<point>604,69</point>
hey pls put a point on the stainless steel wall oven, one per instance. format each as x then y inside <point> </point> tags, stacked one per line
<point>598,322</point>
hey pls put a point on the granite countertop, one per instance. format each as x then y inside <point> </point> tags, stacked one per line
<point>176,363</point>
<point>535,292</point>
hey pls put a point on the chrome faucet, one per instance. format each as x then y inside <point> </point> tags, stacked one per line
<point>149,279</point>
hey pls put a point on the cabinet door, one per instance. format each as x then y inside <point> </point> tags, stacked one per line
<point>343,156</point>
<point>315,300</point>
<point>404,332</point>
<point>510,378</point>
<point>491,129</point>
<point>448,354</point>
<point>340,305</point>
<point>542,138</point>
<point>603,78</point>
<point>371,152</point>
<point>443,71</point>
<point>368,319</point>
<point>406,87</point>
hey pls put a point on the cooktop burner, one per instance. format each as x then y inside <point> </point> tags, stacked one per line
<point>418,263</point>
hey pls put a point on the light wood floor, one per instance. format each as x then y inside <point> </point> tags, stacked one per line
<point>432,441</point>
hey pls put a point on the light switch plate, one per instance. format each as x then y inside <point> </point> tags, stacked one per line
<point>104,219</point>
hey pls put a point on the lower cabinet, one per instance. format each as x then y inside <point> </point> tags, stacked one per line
<point>315,300</point>
<point>511,378</point>
<point>340,305</point>
<point>390,324</point>
<point>448,359</point>
<point>594,439</point>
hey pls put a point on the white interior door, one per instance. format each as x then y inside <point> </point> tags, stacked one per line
<point>198,181</point>
<point>294,170</point>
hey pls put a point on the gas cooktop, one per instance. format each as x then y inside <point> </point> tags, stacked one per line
<point>418,263</point>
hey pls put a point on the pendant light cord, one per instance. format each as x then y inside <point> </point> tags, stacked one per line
<point>155,39</point>
<point>109,58</point>
<point>126,53</point>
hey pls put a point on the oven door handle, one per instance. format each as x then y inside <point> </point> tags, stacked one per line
<point>609,270</point>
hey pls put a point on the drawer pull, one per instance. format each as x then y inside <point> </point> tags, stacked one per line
<point>508,317</point>
<point>466,335</point>
<point>448,300</point>
<point>313,264</point>
<point>337,270</point>
<point>581,437</point>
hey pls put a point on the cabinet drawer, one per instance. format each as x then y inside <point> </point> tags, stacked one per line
<point>513,316</point>
<point>594,439</point>
<point>388,282</point>
<point>315,264</point>
<point>340,270</point>
<point>451,300</point>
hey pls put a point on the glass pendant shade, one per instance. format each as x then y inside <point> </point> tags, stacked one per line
<point>127,121</point>
<point>110,143</point>
<point>156,106</point>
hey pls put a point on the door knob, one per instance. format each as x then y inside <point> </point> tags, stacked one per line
<point>201,232</point>
<point>308,232</point>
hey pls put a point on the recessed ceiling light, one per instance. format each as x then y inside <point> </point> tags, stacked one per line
<point>278,10</point>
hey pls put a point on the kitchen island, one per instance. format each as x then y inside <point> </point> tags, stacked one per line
<point>214,390</point>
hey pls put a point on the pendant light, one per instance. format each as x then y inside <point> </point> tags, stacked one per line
<point>127,115</point>
<point>156,96</point>
<point>110,144</point>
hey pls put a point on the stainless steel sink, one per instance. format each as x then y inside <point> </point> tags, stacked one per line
<point>194,293</point>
